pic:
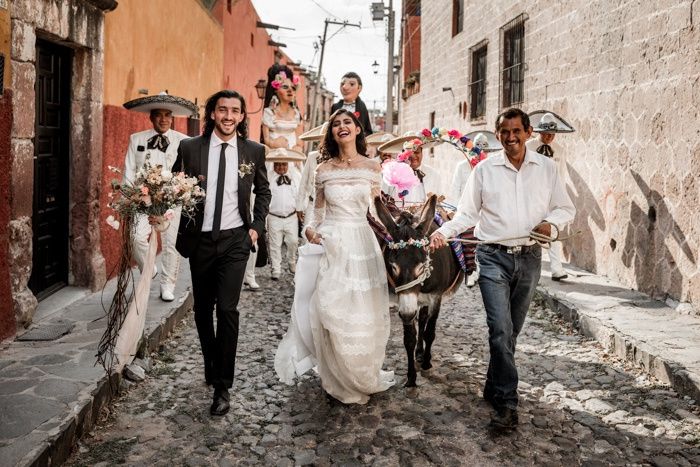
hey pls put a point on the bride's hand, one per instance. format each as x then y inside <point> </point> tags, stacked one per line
<point>313,237</point>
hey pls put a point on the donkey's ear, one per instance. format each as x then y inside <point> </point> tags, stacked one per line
<point>385,216</point>
<point>427,215</point>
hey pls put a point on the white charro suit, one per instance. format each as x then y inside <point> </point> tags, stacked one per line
<point>135,159</point>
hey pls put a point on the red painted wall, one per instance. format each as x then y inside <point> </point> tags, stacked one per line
<point>7,317</point>
<point>247,56</point>
<point>411,46</point>
<point>119,124</point>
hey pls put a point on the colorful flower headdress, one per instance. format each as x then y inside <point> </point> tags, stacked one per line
<point>280,77</point>
<point>442,135</point>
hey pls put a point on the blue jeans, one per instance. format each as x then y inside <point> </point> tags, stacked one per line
<point>507,282</point>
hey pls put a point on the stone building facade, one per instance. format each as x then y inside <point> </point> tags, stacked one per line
<point>626,74</point>
<point>56,137</point>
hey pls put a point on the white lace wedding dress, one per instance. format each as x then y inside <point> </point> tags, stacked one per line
<point>340,316</point>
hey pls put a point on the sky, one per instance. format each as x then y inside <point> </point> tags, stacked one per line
<point>347,49</point>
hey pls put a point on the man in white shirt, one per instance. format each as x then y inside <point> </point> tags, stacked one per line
<point>282,221</point>
<point>547,128</point>
<point>160,144</point>
<point>509,195</point>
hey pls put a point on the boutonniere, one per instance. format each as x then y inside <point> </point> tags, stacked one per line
<point>357,115</point>
<point>246,168</point>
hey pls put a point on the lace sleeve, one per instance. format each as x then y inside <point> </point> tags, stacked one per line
<point>268,117</point>
<point>319,211</point>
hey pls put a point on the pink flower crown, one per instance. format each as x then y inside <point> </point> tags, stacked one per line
<point>280,77</point>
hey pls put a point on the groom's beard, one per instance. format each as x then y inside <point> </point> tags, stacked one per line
<point>226,131</point>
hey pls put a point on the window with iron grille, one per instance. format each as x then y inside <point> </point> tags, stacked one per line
<point>457,16</point>
<point>513,71</point>
<point>477,88</point>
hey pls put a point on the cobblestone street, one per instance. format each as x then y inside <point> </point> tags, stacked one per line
<point>578,406</point>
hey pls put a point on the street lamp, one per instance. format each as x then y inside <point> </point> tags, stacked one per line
<point>375,67</point>
<point>379,12</point>
<point>260,88</point>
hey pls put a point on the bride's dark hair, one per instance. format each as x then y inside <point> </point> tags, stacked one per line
<point>329,147</point>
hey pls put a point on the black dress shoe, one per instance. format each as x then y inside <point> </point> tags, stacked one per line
<point>221,404</point>
<point>504,418</point>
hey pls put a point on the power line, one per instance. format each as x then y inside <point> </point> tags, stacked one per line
<point>325,10</point>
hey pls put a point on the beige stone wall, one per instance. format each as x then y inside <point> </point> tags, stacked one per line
<point>626,74</point>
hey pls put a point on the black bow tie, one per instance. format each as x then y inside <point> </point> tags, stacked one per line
<point>546,150</point>
<point>420,174</point>
<point>159,142</point>
<point>283,180</point>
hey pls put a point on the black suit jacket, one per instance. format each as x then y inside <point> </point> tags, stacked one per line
<point>193,159</point>
<point>361,108</point>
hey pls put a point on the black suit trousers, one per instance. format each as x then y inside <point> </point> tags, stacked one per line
<point>217,269</point>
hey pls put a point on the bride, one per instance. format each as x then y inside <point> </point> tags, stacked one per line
<point>340,316</point>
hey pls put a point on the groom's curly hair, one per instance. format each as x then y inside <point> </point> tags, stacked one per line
<point>329,147</point>
<point>209,124</point>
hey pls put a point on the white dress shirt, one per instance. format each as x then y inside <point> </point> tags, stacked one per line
<point>230,216</point>
<point>504,202</point>
<point>559,159</point>
<point>283,200</point>
<point>138,148</point>
<point>459,179</point>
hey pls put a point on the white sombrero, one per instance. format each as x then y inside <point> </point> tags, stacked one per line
<point>284,155</point>
<point>177,105</point>
<point>314,134</point>
<point>395,146</point>
<point>544,121</point>
<point>485,140</point>
<point>379,138</point>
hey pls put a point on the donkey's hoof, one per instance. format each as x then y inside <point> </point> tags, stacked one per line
<point>410,384</point>
<point>426,365</point>
<point>419,357</point>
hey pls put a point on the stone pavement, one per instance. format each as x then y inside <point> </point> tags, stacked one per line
<point>663,341</point>
<point>580,404</point>
<point>51,392</point>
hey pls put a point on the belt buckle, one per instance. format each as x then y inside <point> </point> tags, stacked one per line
<point>514,250</point>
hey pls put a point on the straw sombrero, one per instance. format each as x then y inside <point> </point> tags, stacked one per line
<point>284,155</point>
<point>379,138</point>
<point>314,134</point>
<point>177,105</point>
<point>395,146</point>
<point>485,140</point>
<point>544,121</point>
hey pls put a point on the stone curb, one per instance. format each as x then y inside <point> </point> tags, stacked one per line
<point>625,347</point>
<point>57,448</point>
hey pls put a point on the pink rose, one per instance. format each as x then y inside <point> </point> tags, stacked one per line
<point>426,133</point>
<point>454,134</point>
<point>295,79</point>
<point>276,84</point>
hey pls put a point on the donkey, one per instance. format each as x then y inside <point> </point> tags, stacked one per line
<point>421,279</point>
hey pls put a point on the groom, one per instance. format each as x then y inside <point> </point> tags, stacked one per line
<point>221,234</point>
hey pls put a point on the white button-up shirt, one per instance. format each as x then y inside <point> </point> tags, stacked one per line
<point>283,200</point>
<point>503,202</point>
<point>230,216</point>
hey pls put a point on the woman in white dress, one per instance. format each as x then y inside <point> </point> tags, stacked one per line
<point>340,316</point>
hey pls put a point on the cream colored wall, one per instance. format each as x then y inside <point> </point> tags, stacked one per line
<point>186,58</point>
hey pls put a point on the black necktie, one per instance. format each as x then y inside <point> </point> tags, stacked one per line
<point>546,150</point>
<point>420,174</point>
<point>159,142</point>
<point>220,181</point>
<point>283,180</point>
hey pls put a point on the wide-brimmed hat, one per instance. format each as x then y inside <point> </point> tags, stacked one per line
<point>314,134</point>
<point>485,140</point>
<point>284,155</point>
<point>379,138</point>
<point>395,146</point>
<point>545,121</point>
<point>177,105</point>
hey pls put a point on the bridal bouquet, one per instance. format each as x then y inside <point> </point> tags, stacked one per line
<point>156,191</point>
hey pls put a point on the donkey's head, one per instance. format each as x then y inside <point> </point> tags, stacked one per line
<point>406,257</point>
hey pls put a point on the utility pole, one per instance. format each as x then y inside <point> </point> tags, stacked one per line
<point>317,87</point>
<point>390,73</point>
<point>379,12</point>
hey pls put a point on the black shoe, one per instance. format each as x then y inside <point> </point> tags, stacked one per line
<point>560,277</point>
<point>220,406</point>
<point>504,418</point>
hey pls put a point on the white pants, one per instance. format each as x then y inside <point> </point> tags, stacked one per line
<point>250,267</point>
<point>169,255</point>
<point>282,231</point>
<point>555,254</point>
